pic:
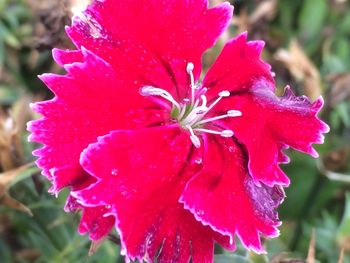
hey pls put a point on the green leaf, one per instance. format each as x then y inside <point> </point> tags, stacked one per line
<point>343,111</point>
<point>24,175</point>
<point>312,18</point>
<point>9,37</point>
<point>2,53</point>
<point>343,233</point>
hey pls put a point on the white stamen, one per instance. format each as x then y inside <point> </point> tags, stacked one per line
<point>202,91</point>
<point>204,99</point>
<point>190,113</point>
<point>194,114</point>
<point>194,138</point>
<point>227,133</point>
<point>224,133</point>
<point>207,131</point>
<point>182,113</point>
<point>189,70</point>
<point>224,93</point>
<point>234,113</point>
<point>152,91</point>
<point>189,67</point>
<point>230,113</point>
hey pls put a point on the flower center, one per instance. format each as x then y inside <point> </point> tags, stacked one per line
<point>191,112</point>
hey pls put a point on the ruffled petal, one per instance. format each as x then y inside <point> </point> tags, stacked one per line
<point>141,175</point>
<point>270,124</point>
<point>239,68</point>
<point>224,196</point>
<point>64,57</point>
<point>152,41</point>
<point>94,220</point>
<point>88,103</point>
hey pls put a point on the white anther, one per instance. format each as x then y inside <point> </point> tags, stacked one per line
<point>152,91</point>
<point>224,93</point>
<point>226,133</point>
<point>189,70</point>
<point>189,67</point>
<point>234,113</point>
<point>195,140</point>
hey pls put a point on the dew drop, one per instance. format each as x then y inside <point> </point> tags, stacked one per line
<point>200,212</point>
<point>114,172</point>
<point>198,160</point>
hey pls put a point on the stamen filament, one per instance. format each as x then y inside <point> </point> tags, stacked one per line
<point>182,113</point>
<point>194,138</point>
<point>194,114</point>
<point>222,94</point>
<point>189,70</point>
<point>224,133</point>
<point>152,91</point>
<point>230,113</point>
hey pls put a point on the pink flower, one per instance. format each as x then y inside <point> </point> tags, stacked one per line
<point>174,163</point>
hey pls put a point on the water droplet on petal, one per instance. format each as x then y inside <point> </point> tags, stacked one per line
<point>114,172</point>
<point>198,160</point>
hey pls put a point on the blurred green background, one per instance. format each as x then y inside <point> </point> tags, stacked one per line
<point>308,46</point>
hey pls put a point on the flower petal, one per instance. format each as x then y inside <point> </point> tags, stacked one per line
<point>88,103</point>
<point>93,220</point>
<point>224,196</point>
<point>238,68</point>
<point>154,40</point>
<point>141,175</point>
<point>270,124</point>
<point>64,57</point>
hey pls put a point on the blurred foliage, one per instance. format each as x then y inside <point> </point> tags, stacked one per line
<point>308,46</point>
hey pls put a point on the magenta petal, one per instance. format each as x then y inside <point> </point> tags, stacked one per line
<point>63,57</point>
<point>224,196</point>
<point>270,124</point>
<point>96,221</point>
<point>87,104</point>
<point>180,29</point>
<point>239,68</point>
<point>141,175</point>
<point>180,32</point>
